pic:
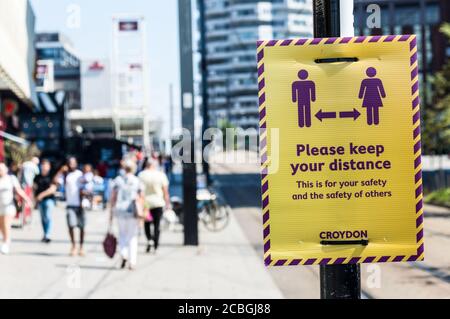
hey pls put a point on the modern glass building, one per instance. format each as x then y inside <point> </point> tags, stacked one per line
<point>56,47</point>
<point>420,17</point>
<point>232,29</point>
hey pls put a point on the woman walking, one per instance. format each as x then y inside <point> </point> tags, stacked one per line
<point>156,192</point>
<point>8,186</point>
<point>127,206</point>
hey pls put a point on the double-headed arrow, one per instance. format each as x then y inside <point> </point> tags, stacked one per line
<point>332,115</point>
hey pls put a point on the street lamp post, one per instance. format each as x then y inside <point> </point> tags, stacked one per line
<point>334,18</point>
<point>188,116</point>
<point>204,88</point>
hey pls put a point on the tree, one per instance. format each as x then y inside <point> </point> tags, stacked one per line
<point>436,115</point>
<point>226,126</point>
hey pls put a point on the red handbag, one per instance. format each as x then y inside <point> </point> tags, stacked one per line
<point>110,245</point>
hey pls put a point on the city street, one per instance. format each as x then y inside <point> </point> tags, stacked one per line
<point>227,264</point>
<point>268,149</point>
<point>223,266</point>
<point>240,185</point>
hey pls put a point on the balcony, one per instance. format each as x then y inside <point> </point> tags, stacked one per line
<point>219,67</point>
<point>247,65</point>
<point>217,90</point>
<point>244,111</point>
<point>246,99</point>
<point>217,33</point>
<point>217,101</point>
<point>295,5</point>
<point>246,122</point>
<point>217,56</point>
<point>216,12</point>
<point>244,87</point>
<point>217,78</point>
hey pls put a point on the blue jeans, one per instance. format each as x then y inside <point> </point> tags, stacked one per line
<point>46,208</point>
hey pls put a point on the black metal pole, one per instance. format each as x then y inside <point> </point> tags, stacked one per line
<point>64,107</point>
<point>205,97</point>
<point>187,112</point>
<point>326,18</point>
<point>340,281</point>
<point>336,281</point>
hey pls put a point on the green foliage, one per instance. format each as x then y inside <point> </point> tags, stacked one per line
<point>223,125</point>
<point>445,29</point>
<point>436,115</point>
<point>440,197</point>
<point>15,153</point>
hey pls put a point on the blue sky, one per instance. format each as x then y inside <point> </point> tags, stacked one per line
<point>93,37</point>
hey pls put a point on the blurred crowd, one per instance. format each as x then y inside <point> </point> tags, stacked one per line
<point>136,192</point>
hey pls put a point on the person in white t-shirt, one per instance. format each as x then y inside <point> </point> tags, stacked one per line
<point>75,213</point>
<point>156,197</point>
<point>8,186</point>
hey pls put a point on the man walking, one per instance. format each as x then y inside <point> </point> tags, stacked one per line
<point>75,213</point>
<point>45,189</point>
<point>156,196</point>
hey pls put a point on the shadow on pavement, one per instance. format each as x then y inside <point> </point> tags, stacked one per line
<point>55,241</point>
<point>437,214</point>
<point>90,267</point>
<point>40,254</point>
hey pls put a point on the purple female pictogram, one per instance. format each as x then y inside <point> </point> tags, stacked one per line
<point>372,91</point>
<point>303,93</point>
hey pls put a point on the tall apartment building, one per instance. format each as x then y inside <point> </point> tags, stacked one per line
<point>232,29</point>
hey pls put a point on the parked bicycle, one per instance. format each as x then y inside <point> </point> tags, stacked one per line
<point>214,215</point>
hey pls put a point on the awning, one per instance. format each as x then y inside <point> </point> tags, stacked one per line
<point>14,138</point>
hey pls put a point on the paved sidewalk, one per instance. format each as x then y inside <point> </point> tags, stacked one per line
<point>224,266</point>
<point>240,184</point>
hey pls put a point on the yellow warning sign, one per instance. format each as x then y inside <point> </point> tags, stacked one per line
<point>340,150</point>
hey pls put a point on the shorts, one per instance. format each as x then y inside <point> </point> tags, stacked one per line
<point>9,210</point>
<point>75,217</point>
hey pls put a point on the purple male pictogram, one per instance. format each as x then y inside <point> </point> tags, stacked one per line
<point>372,92</point>
<point>303,93</point>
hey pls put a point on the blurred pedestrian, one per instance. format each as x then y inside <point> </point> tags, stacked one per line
<point>9,185</point>
<point>30,169</point>
<point>102,169</point>
<point>98,190</point>
<point>168,166</point>
<point>156,197</point>
<point>127,206</point>
<point>87,187</point>
<point>45,189</point>
<point>75,213</point>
